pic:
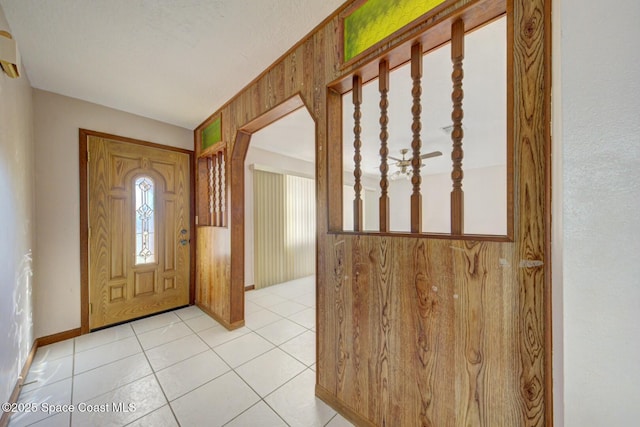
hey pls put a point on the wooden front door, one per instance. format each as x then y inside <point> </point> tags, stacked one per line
<point>138,230</point>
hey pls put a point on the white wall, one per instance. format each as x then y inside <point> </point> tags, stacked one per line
<point>485,202</point>
<point>599,75</point>
<point>57,120</point>
<point>278,162</point>
<point>370,201</point>
<point>16,225</point>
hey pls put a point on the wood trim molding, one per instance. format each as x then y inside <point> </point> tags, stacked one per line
<point>237,157</point>
<point>548,289</point>
<point>223,322</point>
<point>83,136</point>
<point>83,162</point>
<point>60,336</point>
<point>37,343</point>
<point>341,408</point>
<point>13,398</point>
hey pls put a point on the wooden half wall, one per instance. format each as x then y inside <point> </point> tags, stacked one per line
<point>411,330</point>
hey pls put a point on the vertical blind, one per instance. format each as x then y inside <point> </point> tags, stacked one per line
<point>284,227</point>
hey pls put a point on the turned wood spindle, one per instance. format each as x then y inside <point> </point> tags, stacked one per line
<point>416,143</point>
<point>216,205</point>
<point>383,83</point>
<point>223,189</point>
<point>211,174</point>
<point>220,173</point>
<point>357,157</point>
<point>457,153</point>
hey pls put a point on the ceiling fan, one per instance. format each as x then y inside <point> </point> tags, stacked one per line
<point>404,165</point>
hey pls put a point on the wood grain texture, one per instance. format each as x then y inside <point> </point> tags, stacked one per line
<point>530,129</point>
<point>84,136</point>
<point>121,289</point>
<point>213,275</point>
<point>429,330</point>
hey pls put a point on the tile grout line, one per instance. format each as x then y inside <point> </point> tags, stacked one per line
<point>73,377</point>
<point>153,372</point>
<point>232,369</point>
<point>105,343</point>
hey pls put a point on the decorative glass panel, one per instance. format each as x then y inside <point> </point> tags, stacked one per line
<point>377,19</point>
<point>145,221</point>
<point>212,133</point>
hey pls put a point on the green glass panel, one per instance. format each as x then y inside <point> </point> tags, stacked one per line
<point>212,134</point>
<point>377,19</point>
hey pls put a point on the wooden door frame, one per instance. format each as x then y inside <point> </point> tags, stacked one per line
<point>238,155</point>
<point>83,159</point>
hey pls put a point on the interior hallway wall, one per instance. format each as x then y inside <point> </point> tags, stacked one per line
<point>57,120</point>
<point>599,78</point>
<point>17,239</point>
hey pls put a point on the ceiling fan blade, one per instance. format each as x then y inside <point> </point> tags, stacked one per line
<point>394,158</point>
<point>432,154</point>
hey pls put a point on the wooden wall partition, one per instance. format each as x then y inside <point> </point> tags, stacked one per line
<point>412,330</point>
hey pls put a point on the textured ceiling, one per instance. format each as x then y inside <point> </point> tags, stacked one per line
<point>176,61</point>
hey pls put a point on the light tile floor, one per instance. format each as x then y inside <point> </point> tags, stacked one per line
<point>182,368</point>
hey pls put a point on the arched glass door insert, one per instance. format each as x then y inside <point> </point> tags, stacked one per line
<point>145,220</point>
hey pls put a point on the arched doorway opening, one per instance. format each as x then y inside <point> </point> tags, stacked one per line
<point>239,212</point>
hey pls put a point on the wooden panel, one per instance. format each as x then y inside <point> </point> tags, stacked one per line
<point>212,290</point>
<point>119,290</point>
<point>439,330</point>
<point>172,236</point>
<point>334,161</point>
<point>203,210</point>
<point>169,283</point>
<point>531,123</point>
<point>144,283</point>
<point>168,173</point>
<point>117,227</point>
<point>432,331</point>
<point>98,253</point>
<point>120,165</point>
<point>182,227</point>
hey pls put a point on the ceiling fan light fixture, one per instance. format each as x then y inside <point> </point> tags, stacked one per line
<point>400,175</point>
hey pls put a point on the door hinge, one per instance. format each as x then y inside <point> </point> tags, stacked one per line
<point>196,220</point>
